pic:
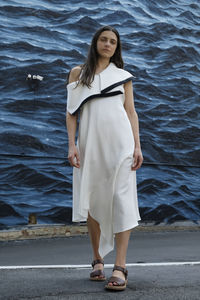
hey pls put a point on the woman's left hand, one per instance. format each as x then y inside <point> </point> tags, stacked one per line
<point>137,159</point>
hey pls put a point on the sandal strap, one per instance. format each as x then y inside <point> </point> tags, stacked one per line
<point>123,270</point>
<point>97,273</point>
<point>119,281</point>
<point>97,261</point>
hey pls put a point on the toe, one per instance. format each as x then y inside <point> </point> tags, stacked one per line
<point>112,283</point>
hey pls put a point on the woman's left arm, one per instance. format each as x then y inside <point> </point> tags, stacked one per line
<point>133,117</point>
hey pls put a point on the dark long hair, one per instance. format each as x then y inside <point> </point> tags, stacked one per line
<point>89,67</point>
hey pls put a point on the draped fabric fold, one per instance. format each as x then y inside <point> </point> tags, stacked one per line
<point>104,185</point>
<point>104,87</point>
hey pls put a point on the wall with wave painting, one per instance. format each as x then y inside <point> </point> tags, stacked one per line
<point>160,47</point>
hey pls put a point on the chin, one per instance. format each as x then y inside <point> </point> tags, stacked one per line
<point>105,55</point>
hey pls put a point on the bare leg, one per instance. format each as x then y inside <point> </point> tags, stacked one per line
<point>122,239</point>
<point>94,233</point>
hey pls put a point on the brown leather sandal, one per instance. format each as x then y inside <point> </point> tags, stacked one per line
<point>121,284</point>
<point>97,275</point>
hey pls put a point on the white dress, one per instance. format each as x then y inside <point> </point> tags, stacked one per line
<point>105,185</point>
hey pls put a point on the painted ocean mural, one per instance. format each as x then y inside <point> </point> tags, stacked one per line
<point>161,48</point>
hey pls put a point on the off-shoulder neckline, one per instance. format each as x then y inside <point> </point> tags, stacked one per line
<point>75,82</point>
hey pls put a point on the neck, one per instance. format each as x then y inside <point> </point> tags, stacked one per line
<point>102,64</point>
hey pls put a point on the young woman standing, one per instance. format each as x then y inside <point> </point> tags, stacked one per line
<point>107,152</point>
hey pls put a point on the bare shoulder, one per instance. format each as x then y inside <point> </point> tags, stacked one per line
<point>74,74</point>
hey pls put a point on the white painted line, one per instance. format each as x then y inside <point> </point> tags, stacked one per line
<point>161,264</point>
<point>165,264</point>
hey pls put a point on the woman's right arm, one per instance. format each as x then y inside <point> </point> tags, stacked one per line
<point>73,155</point>
<point>71,123</point>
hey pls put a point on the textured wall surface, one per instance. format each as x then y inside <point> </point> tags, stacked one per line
<point>160,47</point>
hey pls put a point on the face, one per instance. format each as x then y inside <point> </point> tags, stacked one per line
<point>107,44</point>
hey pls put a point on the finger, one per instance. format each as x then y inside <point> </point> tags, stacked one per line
<point>76,165</point>
<point>71,160</point>
<point>76,161</point>
<point>77,158</point>
<point>134,165</point>
<point>137,163</point>
<point>140,160</point>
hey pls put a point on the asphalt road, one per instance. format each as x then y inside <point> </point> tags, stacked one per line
<point>69,278</point>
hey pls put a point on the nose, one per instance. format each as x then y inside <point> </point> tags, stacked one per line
<point>107,43</point>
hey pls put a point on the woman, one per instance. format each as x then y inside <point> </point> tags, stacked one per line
<point>107,153</point>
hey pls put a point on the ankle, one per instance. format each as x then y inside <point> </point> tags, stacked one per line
<point>120,264</point>
<point>98,261</point>
<point>97,257</point>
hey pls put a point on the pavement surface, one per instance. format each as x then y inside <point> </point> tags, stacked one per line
<point>161,265</point>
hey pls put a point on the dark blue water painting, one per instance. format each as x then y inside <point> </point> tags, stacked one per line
<point>161,47</point>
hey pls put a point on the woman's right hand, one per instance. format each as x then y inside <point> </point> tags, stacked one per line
<point>73,156</point>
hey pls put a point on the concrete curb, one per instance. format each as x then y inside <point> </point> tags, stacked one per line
<point>61,230</point>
